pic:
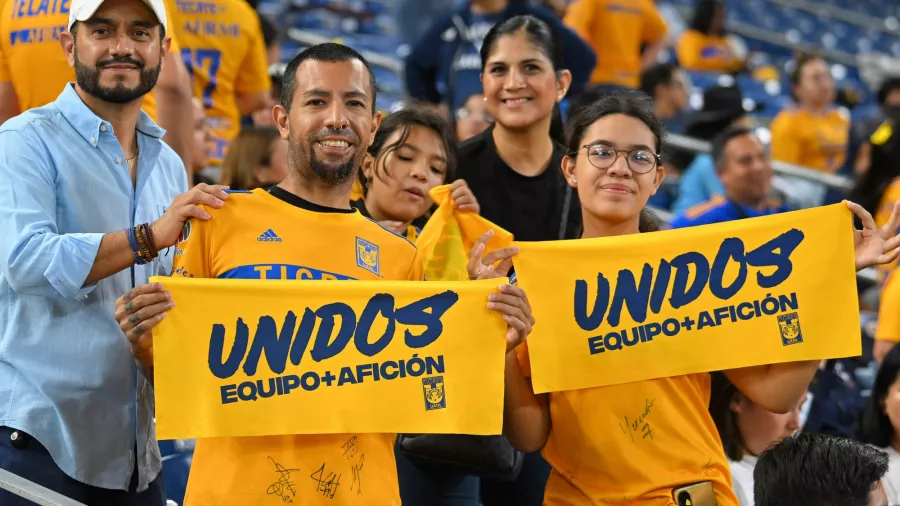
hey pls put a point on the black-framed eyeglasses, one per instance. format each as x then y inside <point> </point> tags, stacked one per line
<point>639,160</point>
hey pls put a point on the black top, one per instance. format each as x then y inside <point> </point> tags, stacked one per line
<point>531,208</point>
<point>294,200</point>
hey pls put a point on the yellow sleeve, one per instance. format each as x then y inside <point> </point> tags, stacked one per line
<point>254,73</point>
<point>192,251</point>
<point>580,18</point>
<point>654,26</point>
<point>417,269</point>
<point>786,144</point>
<point>688,49</point>
<point>5,14</point>
<point>172,22</point>
<point>888,328</point>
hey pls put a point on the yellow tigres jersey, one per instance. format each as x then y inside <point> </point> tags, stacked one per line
<point>277,235</point>
<point>815,141</point>
<point>223,48</point>
<point>31,57</point>
<point>888,328</point>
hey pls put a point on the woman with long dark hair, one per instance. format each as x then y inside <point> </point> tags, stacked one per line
<point>512,166</point>
<point>879,422</point>
<point>615,165</point>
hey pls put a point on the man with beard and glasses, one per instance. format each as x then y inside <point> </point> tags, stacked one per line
<point>81,179</point>
<point>303,228</point>
<point>33,69</point>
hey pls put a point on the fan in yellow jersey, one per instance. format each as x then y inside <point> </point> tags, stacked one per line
<point>814,133</point>
<point>303,228</point>
<point>594,462</point>
<point>33,68</point>
<point>414,151</point>
<point>222,45</point>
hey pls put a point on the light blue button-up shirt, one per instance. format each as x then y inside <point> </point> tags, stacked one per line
<point>67,376</point>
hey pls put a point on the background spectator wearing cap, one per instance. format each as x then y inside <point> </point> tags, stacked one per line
<point>705,46</point>
<point>722,107</point>
<point>33,70</point>
<point>667,85</point>
<point>744,167</point>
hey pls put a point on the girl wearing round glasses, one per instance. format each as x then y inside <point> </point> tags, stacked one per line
<point>641,442</point>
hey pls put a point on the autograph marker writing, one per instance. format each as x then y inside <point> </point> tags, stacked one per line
<point>284,487</point>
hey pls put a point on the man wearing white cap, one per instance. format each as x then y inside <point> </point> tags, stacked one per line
<point>91,201</point>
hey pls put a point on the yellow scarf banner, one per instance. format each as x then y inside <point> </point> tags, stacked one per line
<point>254,358</point>
<point>449,235</point>
<point>614,310</point>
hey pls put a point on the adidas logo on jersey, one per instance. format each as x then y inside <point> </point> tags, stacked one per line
<point>269,236</point>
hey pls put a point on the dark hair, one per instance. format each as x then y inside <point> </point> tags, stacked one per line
<point>540,34</point>
<point>720,142</point>
<point>269,31</point>
<point>723,393</point>
<point>883,169</point>
<point>874,425</point>
<point>545,39</point>
<point>800,61</point>
<point>403,120</point>
<point>327,52</point>
<point>631,103</point>
<point>704,14</point>
<point>887,87</point>
<point>817,470</point>
<point>655,76</point>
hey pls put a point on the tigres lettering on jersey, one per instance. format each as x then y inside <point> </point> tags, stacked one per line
<point>263,235</point>
<point>223,47</point>
<point>31,57</point>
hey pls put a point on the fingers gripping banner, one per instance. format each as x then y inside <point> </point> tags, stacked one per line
<point>758,291</point>
<point>449,235</point>
<point>252,358</point>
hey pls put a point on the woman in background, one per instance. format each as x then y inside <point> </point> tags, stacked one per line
<point>614,164</point>
<point>880,420</point>
<point>746,430</point>
<point>705,46</point>
<point>513,170</point>
<point>257,158</point>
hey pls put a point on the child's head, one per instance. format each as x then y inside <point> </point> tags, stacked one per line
<point>414,151</point>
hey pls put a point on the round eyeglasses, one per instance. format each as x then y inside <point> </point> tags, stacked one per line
<point>639,160</point>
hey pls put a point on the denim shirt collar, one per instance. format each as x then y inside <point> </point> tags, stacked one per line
<point>88,125</point>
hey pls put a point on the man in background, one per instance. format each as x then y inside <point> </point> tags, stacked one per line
<point>744,167</point>
<point>224,50</point>
<point>820,470</point>
<point>667,85</point>
<point>33,69</point>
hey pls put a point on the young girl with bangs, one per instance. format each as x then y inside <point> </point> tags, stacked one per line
<point>414,151</point>
<point>613,163</point>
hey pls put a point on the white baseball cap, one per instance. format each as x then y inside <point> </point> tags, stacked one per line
<point>83,10</point>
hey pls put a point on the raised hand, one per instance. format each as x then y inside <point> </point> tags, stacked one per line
<point>872,245</point>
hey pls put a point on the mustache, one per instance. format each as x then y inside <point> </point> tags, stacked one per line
<point>119,60</point>
<point>343,133</point>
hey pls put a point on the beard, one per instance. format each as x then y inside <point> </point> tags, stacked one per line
<point>88,79</point>
<point>301,154</point>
